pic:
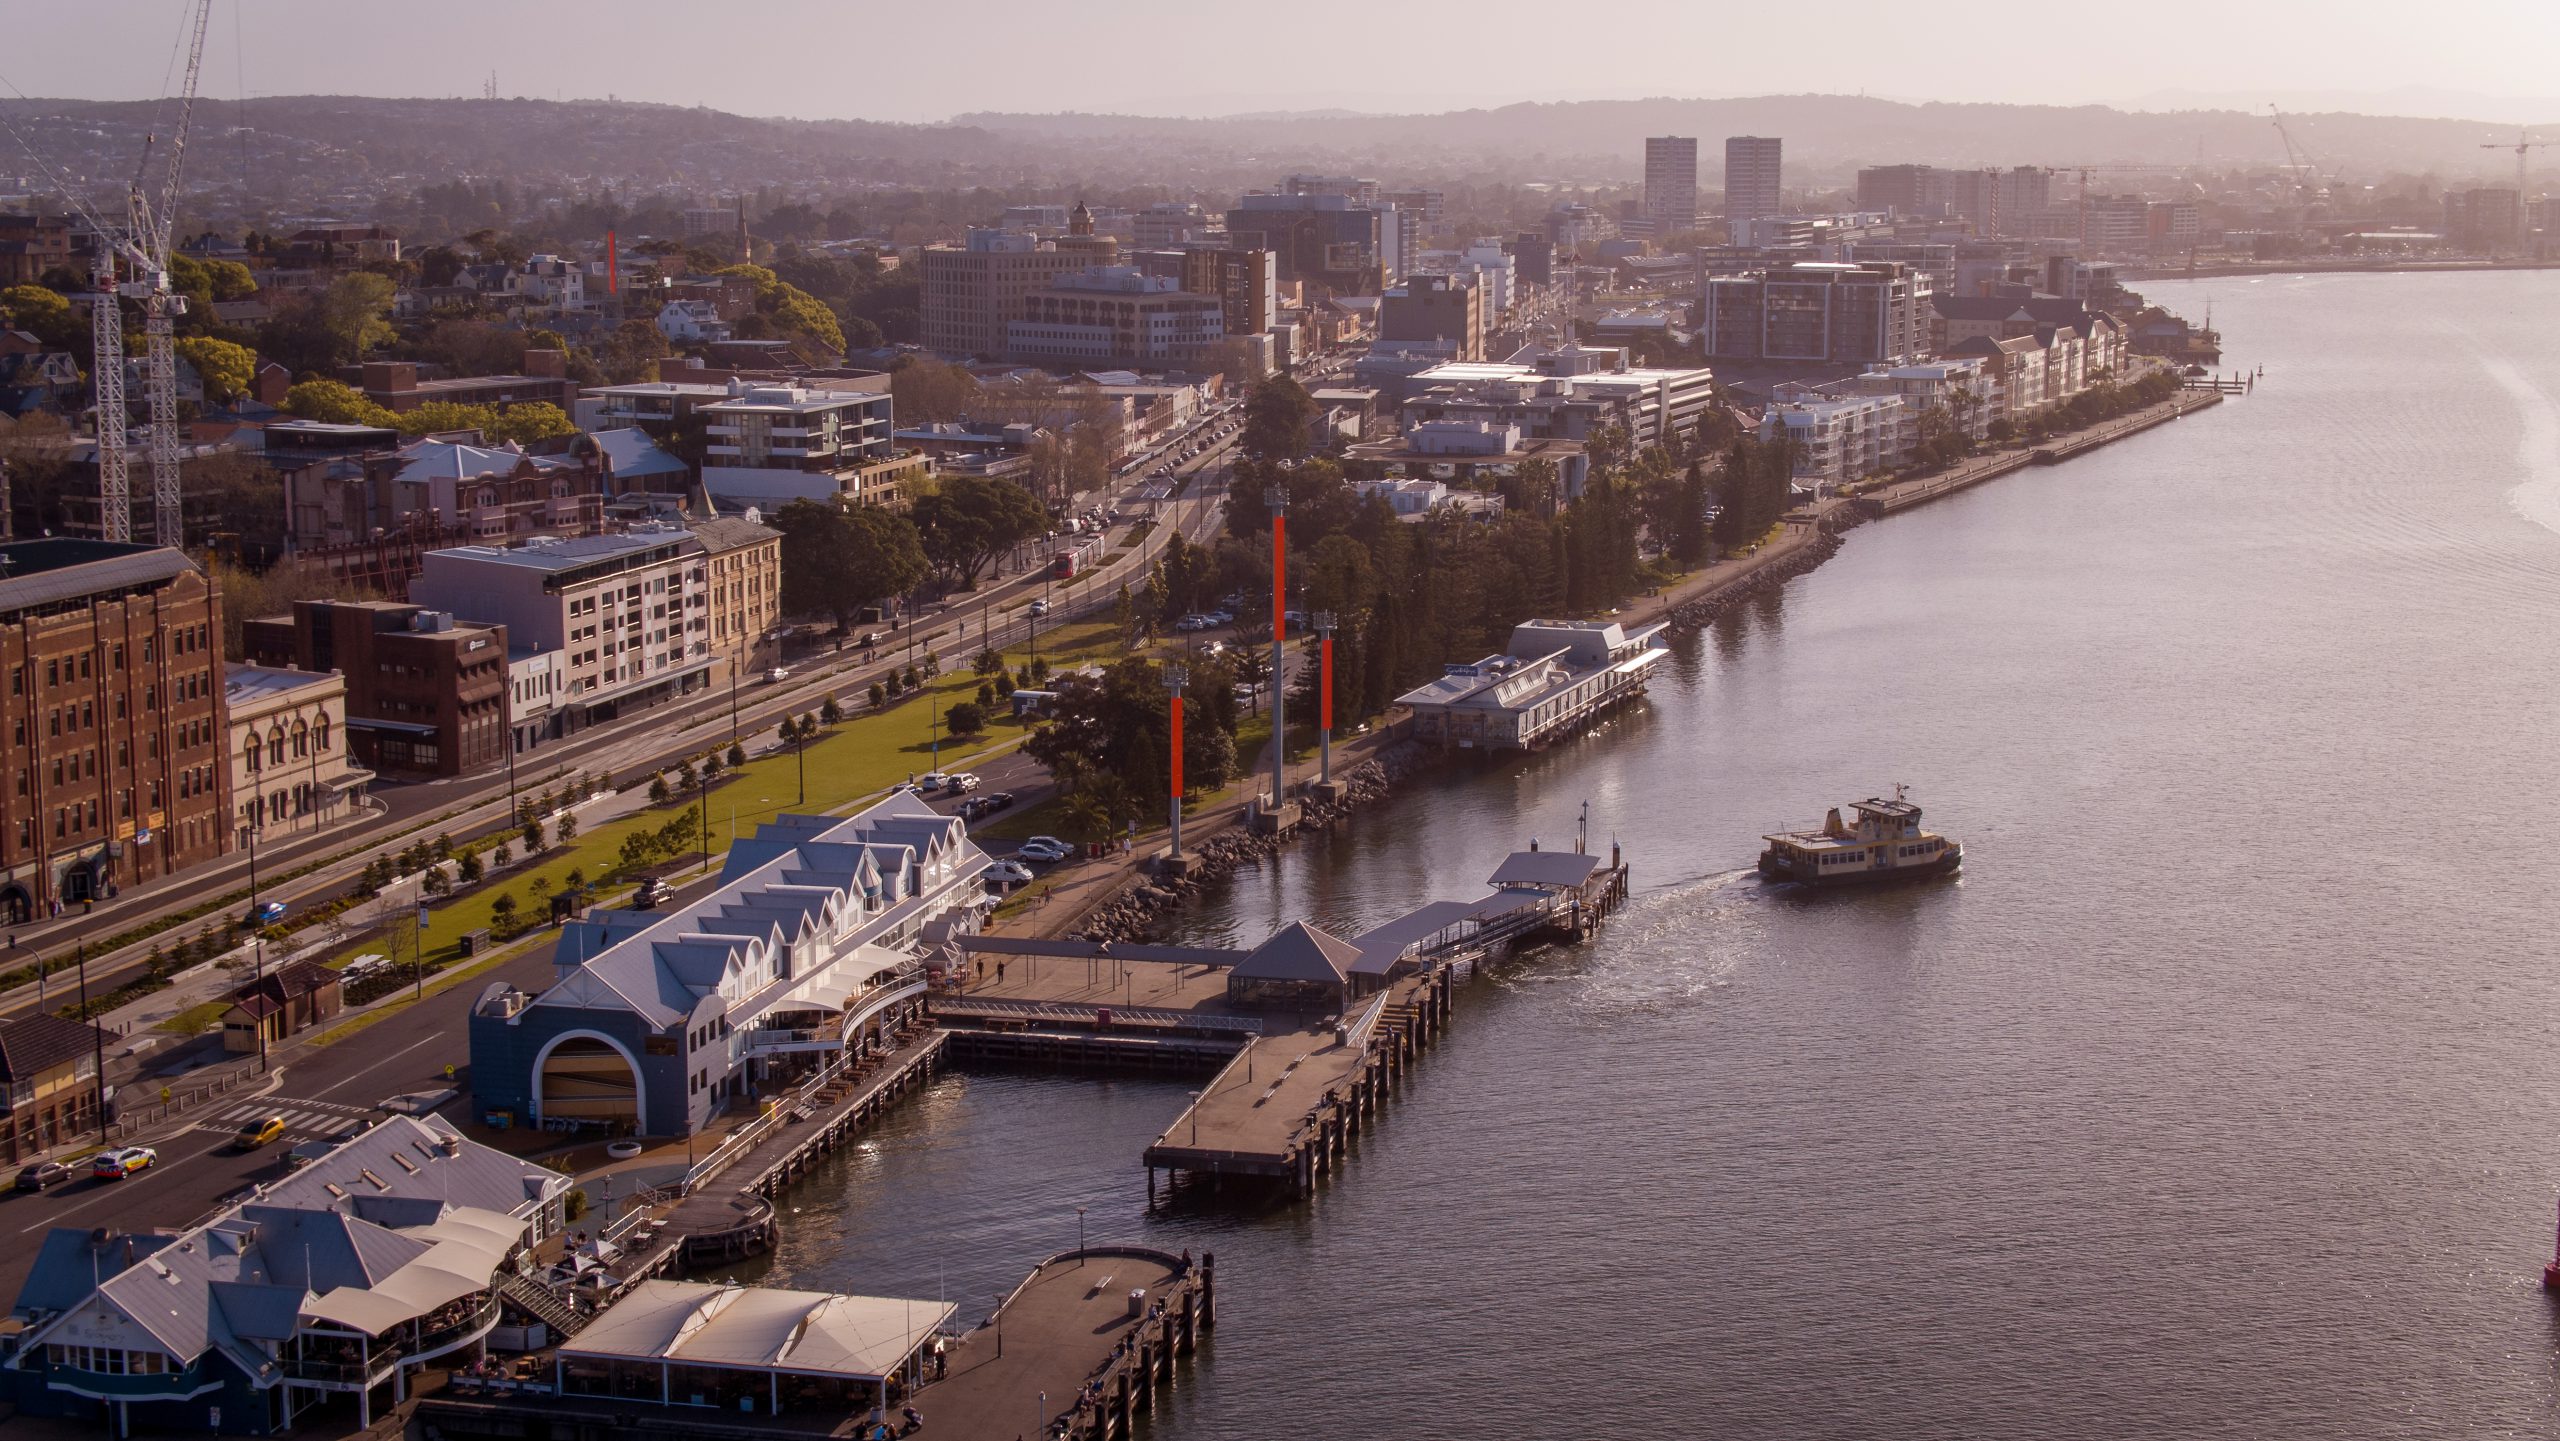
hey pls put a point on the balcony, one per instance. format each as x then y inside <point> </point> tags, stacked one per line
<point>168,1384</point>
<point>350,1372</point>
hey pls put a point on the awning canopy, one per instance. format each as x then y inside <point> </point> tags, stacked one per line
<point>813,1333</point>
<point>359,1310</point>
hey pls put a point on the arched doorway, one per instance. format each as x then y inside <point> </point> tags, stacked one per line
<point>587,1078</point>
<point>16,906</point>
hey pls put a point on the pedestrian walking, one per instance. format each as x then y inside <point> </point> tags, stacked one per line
<point>999,973</point>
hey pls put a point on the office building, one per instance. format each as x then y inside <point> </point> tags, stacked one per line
<point>426,695</point>
<point>1874,313</point>
<point>812,945</point>
<point>114,742</point>
<point>2483,218</point>
<point>971,292</point>
<point>1751,177</point>
<point>1169,224</point>
<point>290,767</point>
<point>630,611</point>
<point>1534,258</point>
<point>743,561</point>
<point>2025,191</point>
<point>1671,183</point>
<point>769,445</point>
<point>1564,393</point>
<point>394,385</point>
<point>1446,309</point>
<point>1246,282</point>
<point>1115,316</point>
<point>1326,240</point>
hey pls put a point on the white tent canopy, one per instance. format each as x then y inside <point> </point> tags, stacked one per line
<point>861,1338</point>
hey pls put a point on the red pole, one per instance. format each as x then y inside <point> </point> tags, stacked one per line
<point>612,266</point>
<point>1325,718</point>
<point>1177,749</point>
<point>1279,581</point>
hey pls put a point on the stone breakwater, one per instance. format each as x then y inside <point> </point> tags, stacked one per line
<point>1700,611</point>
<point>1138,910</point>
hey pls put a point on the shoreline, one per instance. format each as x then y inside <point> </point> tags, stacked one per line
<point>1125,899</point>
<point>2343,267</point>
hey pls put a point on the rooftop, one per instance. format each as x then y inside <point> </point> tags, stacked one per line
<point>761,1329</point>
<point>244,684</point>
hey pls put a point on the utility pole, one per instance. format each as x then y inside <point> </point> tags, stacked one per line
<point>257,937</point>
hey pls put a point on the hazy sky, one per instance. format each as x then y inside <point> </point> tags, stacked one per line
<point>925,61</point>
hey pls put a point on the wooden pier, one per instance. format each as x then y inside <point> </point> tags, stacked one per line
<point>1070,1353</point>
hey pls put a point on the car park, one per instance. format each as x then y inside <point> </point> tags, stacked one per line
<point>1043,849</point>
<point>960,783</point>
<point>1007,873</point>
<point>932,781</point>
<point>1190,623</point>
<point>258,1132</point>
<point>121,1162</point>
<point>43,1174</point>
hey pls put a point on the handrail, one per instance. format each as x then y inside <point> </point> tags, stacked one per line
<point>1357,1033</point>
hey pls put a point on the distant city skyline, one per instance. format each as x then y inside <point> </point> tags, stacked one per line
<point>1130,56</point>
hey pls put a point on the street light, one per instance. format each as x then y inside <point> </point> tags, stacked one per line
<point>1079,1236</point>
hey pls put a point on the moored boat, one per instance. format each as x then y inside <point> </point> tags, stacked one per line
<point>1880,840</point>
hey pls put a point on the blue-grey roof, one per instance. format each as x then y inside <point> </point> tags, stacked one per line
<point>71,1261</point>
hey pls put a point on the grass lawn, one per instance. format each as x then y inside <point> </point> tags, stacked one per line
<point>195,1020</point>
<point>862,757</point>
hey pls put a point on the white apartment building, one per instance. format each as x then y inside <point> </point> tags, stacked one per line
<point>1838,438</point>
<point>1671,183</point>
<point>630,611</point>
<point>691,322</point>
<point>1564,393</point>
<point>1961,386</point>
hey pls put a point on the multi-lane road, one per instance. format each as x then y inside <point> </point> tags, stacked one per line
<point>651,740</point>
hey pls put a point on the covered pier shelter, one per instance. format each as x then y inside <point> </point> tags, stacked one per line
<point>751,1349</point>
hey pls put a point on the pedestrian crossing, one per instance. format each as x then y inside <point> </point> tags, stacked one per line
<point>305,1120</point>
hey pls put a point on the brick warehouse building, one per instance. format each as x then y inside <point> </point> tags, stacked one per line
<point>112,764</point>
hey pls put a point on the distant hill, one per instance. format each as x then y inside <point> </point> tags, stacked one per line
<point>1826,134</point>
<point>323,150</point>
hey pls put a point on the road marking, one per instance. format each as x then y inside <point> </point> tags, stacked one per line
<point>104,1189</point>
<point>387,1060</point>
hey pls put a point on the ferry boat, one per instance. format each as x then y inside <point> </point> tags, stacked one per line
<point>1882,841</point>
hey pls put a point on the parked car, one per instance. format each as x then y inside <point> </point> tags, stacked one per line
<point>1039,607</point>
<point>652,894</point>
<point>960,782</point>
<point>932,781</point>
<point>778,674</point>
<point>43,1174</point>
<point>1043,850</point>
<point>265,913</point>
<point>1007,873</point>
<point>994,801</point>
<point>258,1132</point>
<point>121,1162</point>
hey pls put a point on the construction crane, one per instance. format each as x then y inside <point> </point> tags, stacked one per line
<point>131,262</point>
<point>2525,144</point>
<point>2297,158</point>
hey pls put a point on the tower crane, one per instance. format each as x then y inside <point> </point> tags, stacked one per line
<point>2297,158</point>
<point>131,262</point>
<point>2525,144</point>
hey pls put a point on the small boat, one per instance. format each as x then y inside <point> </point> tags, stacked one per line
<point>1881,841</point>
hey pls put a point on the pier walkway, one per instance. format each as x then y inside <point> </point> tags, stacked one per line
<point>1067,1347</point>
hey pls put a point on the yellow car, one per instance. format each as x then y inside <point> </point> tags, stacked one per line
<point>259,1132</point>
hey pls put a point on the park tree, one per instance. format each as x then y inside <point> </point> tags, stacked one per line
<point>1278,417</point>
<point>927,391</point>
<point>835,562</point>
<point>965,718</point>
<point>973,519</point>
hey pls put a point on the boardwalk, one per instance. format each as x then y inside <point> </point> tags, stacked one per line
<point>1070,1326</point>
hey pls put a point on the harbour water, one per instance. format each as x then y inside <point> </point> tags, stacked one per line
<point>2216,1098</point>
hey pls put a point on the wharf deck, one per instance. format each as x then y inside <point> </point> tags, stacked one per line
<point>1066,1348</point>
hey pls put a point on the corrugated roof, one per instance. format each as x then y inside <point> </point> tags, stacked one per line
<point>38,1042</point>
<point>1298,952</point>
<point>45,572</point>
<point>1546,868</point>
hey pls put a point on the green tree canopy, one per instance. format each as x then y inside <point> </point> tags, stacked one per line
<point>1277,418</point>
<point>43,314</point>
<point>335,402</point>
<point>973,519</point>
<point>225,368</point>
<point>835,562</point>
